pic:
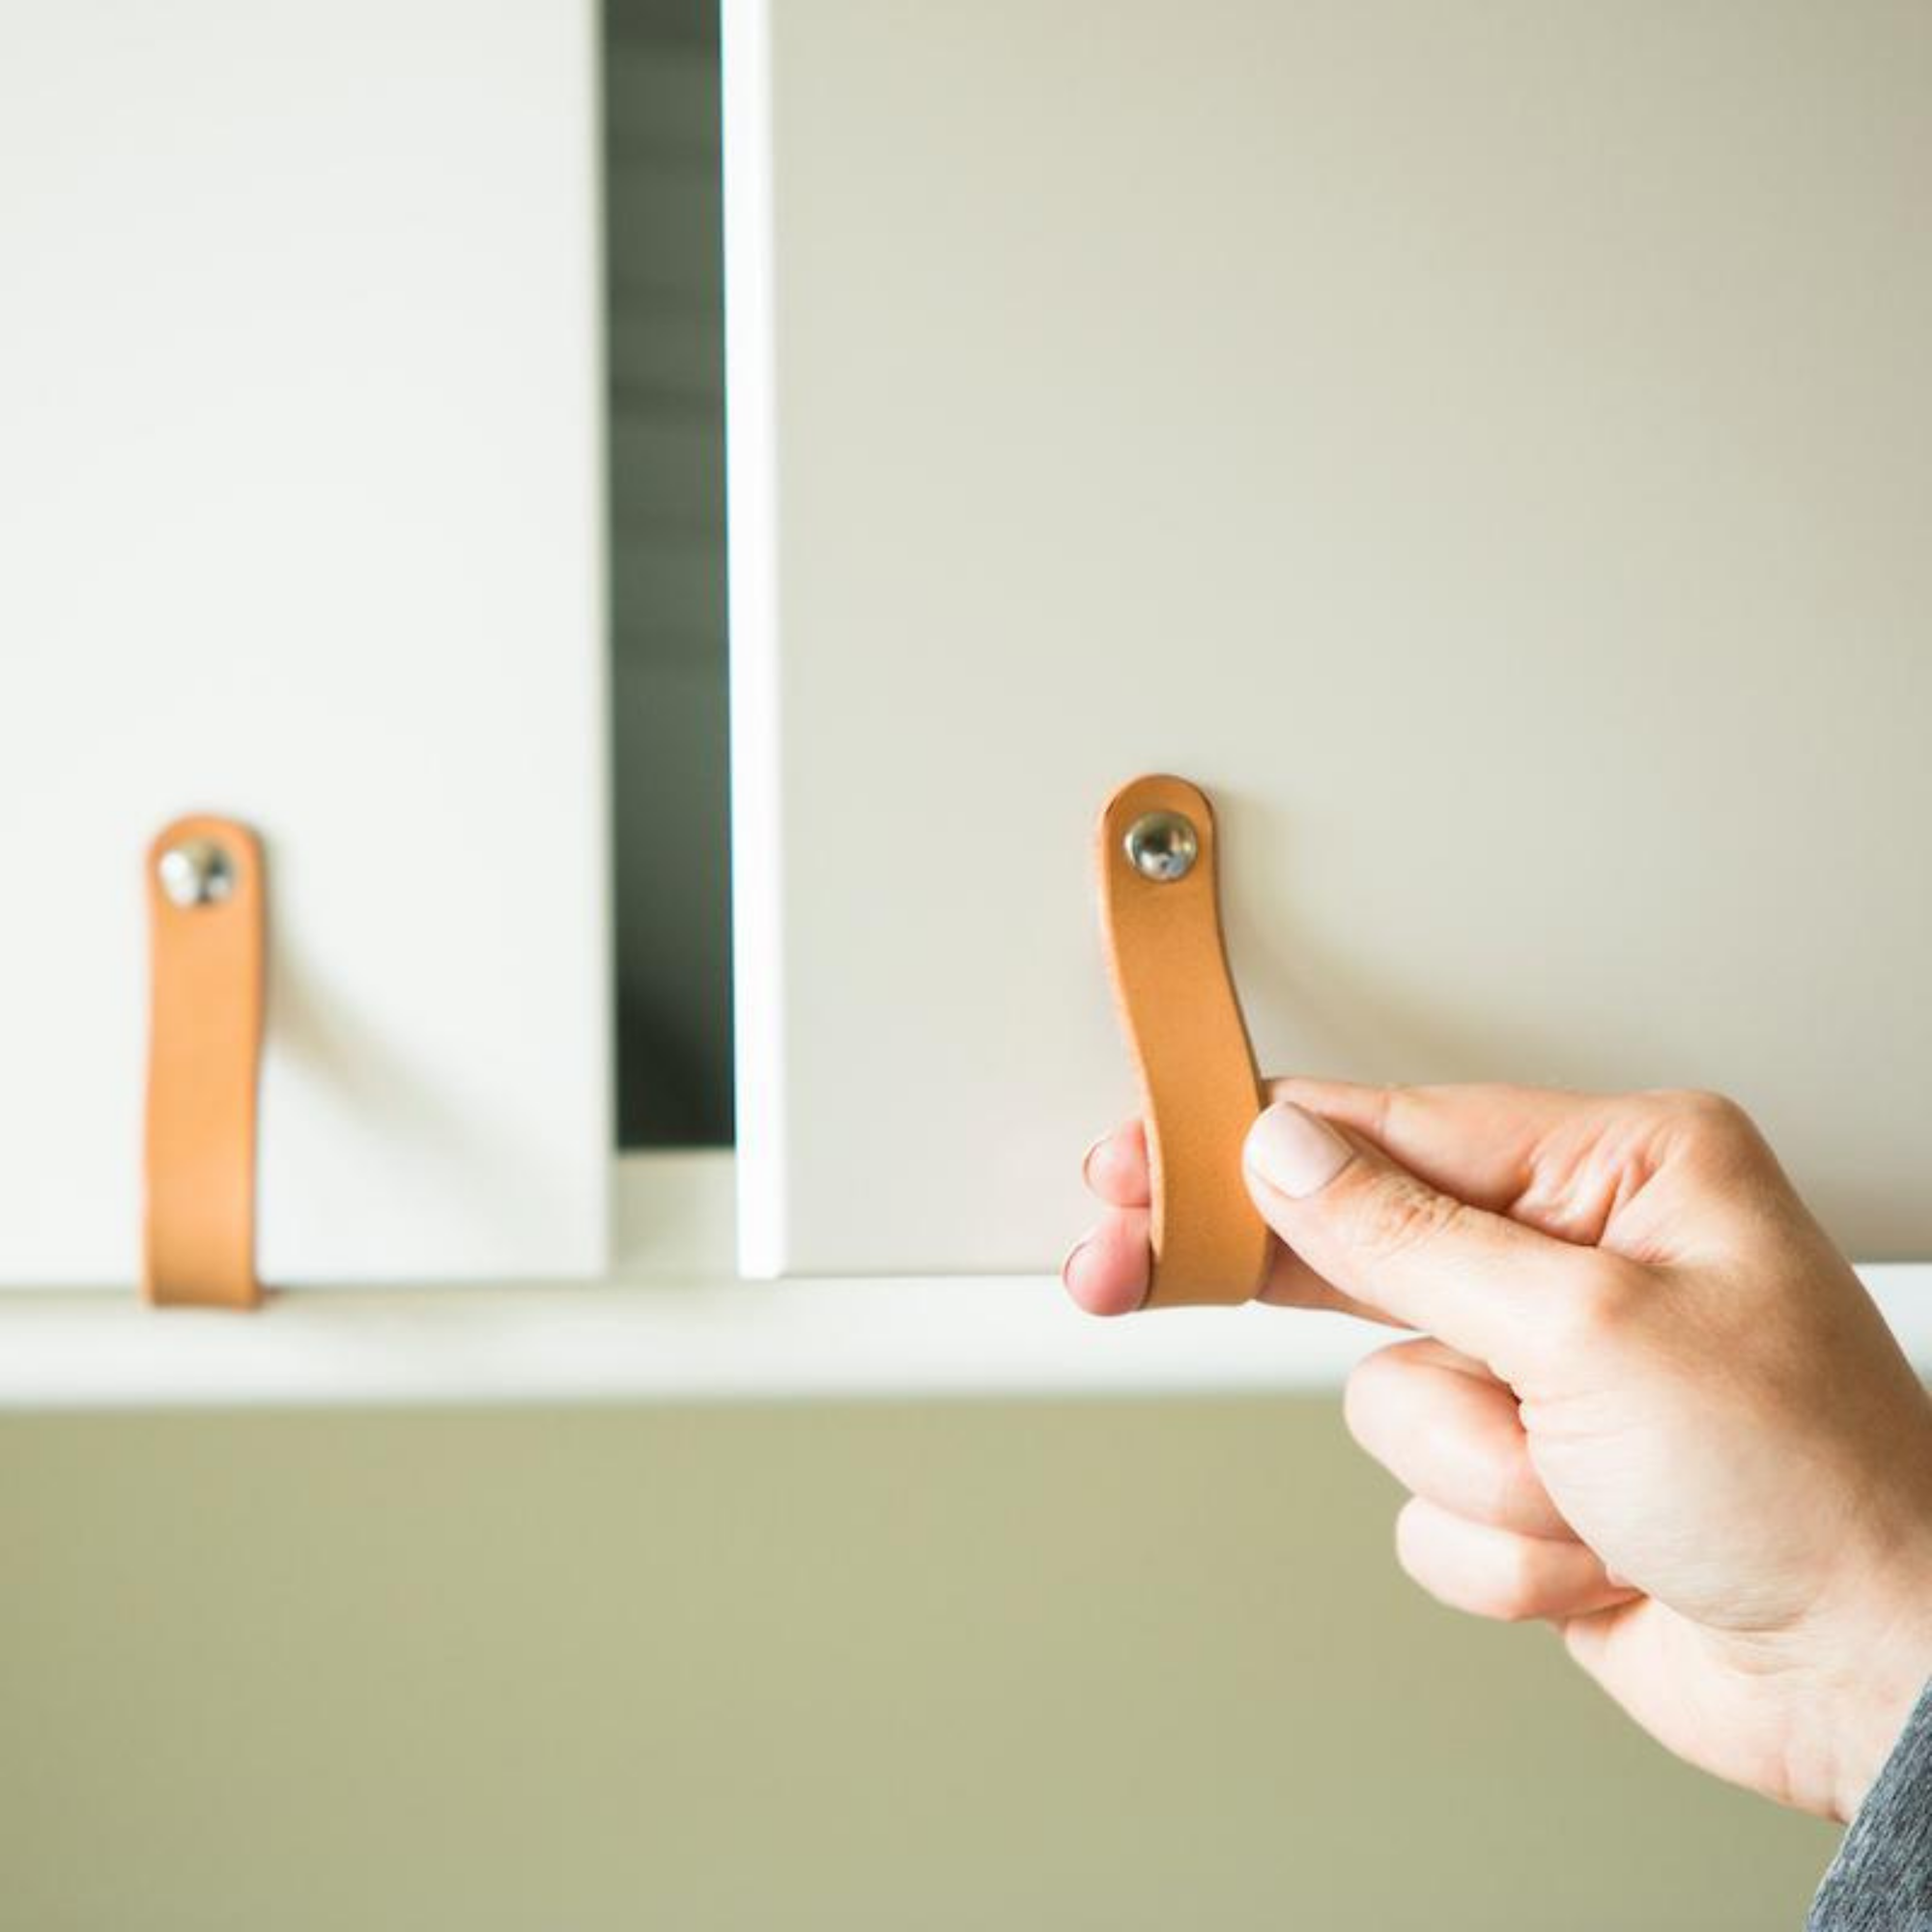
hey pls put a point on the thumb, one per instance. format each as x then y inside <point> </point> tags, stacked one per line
<point>1478,1281</point>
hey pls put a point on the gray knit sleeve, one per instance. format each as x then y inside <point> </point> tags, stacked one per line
<point>1882,1879</point>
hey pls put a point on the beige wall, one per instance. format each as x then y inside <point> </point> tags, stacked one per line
<point>1102,1665</point>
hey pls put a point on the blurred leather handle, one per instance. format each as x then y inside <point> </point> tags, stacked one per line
<point>1160,920</point>
<point>205,933</point>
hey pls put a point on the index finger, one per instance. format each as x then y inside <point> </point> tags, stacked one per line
<point>1557,1161</point>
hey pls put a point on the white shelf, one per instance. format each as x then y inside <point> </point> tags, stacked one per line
<point>674,1325</point>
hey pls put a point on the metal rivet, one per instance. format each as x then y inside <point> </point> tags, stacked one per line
<point>1163,846</point>
<point>196,872</point>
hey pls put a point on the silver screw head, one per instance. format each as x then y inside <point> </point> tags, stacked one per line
<point>196,872</point>
<point>1163,846</point>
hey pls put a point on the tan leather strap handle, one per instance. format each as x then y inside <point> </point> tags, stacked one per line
<point>205,918</point>
<point>1160,923</point>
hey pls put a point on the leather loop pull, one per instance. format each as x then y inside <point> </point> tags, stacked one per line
<point>205,920</point>
<point>1160,922</point>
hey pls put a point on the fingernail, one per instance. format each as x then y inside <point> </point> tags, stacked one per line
<point>1074,1255</point>
<point>1295,1154</point>
<point>1086,1162</point>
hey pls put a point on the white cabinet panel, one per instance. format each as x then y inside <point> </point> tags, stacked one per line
<point>1491,449</point>
<point>299,481</point>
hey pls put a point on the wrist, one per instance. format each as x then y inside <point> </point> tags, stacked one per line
<point>1886,1670</point>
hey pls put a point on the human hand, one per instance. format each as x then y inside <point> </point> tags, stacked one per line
<point>1649,1402</point>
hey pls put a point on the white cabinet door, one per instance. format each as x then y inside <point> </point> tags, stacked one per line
<point>1491,449</point>
<point>299,486</point>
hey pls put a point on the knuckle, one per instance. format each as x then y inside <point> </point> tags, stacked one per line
<point>1502,1581</point>
<point>1409,1552</point>
<point>1367,1393</point>
<point>1602,1306</point>
<point>1358,1399</point>
<point>1387,1101</point>
<point>1508,1495</point>
<point>1516,1593</point>
<point>1393,1213</point>
<point>1708,1120</point>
